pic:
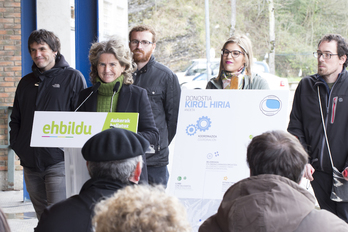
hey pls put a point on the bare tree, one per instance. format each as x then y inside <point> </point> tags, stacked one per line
<point>271,56</point>
<point>233,17</point>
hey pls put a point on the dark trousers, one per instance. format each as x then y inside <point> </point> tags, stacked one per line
<point>47,187</point>
<point>158,175</point>
<point>322,185</point>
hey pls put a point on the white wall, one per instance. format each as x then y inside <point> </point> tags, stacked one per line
<point>55,16</point>
<point>113,19</point>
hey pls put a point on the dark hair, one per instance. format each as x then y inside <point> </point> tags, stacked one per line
<point>342,46</point>
<point>4,227</point>
<point>143,28</point>
<point>44,36</point>
<point>120,170</point>
<point>122,53</point>
<point>279,153</point>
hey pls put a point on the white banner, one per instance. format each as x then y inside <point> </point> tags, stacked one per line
<point>73,129</point>
<point>213,132</point>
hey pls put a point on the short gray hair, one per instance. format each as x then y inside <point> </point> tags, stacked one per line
<point>120,170</point>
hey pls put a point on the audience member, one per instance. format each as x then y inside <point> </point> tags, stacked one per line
<point>114,160</point>
<point>141,208</point>
<point>271,199</point>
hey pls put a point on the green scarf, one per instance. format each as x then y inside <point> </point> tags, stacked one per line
<point>105,93</point>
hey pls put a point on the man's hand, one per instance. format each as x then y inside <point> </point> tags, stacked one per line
<point>308,173</point>
<point>345,173</point>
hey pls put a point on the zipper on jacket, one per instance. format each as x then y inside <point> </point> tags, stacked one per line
<point>326,120</point>
<point>334,107</point>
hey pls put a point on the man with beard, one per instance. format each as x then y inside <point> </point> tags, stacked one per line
<point>163,89</point>
<point>331,84</point>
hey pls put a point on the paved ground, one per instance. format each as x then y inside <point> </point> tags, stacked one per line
<point>21,215</point>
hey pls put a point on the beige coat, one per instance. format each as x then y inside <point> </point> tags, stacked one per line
<point>270,203</point>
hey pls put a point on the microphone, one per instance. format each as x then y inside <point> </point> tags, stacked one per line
<point>116,88</point>
<point>94,89</point>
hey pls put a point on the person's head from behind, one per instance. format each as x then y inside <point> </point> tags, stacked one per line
<point>141,208</point>
<point>236,54</point>
<point>109,60</point>
<point>115,154</point>
<point>278,153</point>
<point>142,42</point>
<point>44,47</point>
<point>332,54</point>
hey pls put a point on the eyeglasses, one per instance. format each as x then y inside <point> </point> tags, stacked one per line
<point>145,43</point>
<point>324,55</point>
<point>234,53</point>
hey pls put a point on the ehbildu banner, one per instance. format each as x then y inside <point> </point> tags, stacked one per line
<point>73,129</point>
<point>213,132</point>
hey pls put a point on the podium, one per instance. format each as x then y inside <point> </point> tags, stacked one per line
<point>70,131</point>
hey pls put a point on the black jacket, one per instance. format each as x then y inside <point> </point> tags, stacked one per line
<point>131,99</point>
<point>163,89</point>
<point>75,213</point>
<point>305,121</point>
<point>56,89</point>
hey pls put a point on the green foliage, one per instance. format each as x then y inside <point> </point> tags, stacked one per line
<point>299,24</point>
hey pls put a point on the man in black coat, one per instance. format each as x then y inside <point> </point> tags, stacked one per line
<point>114,160</point>
<point>163,90</point>
<point>52,86</point>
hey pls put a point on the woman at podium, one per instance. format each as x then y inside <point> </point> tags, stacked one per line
<point>236,67</point>
<point>112,90</point>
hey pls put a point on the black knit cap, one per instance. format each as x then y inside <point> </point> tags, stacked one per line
<point>114,144</point>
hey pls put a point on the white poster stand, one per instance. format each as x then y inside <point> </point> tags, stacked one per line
<point>71,130</point>
<point>213,132</point>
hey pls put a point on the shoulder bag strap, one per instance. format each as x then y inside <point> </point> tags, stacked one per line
<point>324,128</point>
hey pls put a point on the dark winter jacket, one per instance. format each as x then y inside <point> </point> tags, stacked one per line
<point>163,89</point>
<point>75,213</point>
<point>56,89</point>
<point>270,203</point>
<point>305,120</point>
<point>131,99</point>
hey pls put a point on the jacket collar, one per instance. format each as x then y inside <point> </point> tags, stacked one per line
<point>144,69</point>
<point>103,184</point>
<point>60,63</point>
<point>319,80</point>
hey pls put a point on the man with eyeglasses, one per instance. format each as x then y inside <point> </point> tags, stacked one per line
<point>163,89</point>
<point>331,84</point>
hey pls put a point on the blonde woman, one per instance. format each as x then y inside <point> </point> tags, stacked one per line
<point>236,67</point>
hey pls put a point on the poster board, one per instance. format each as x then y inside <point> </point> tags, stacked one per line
<point>213,132</point>
<point>70,131</point>
<point>73,129</point>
